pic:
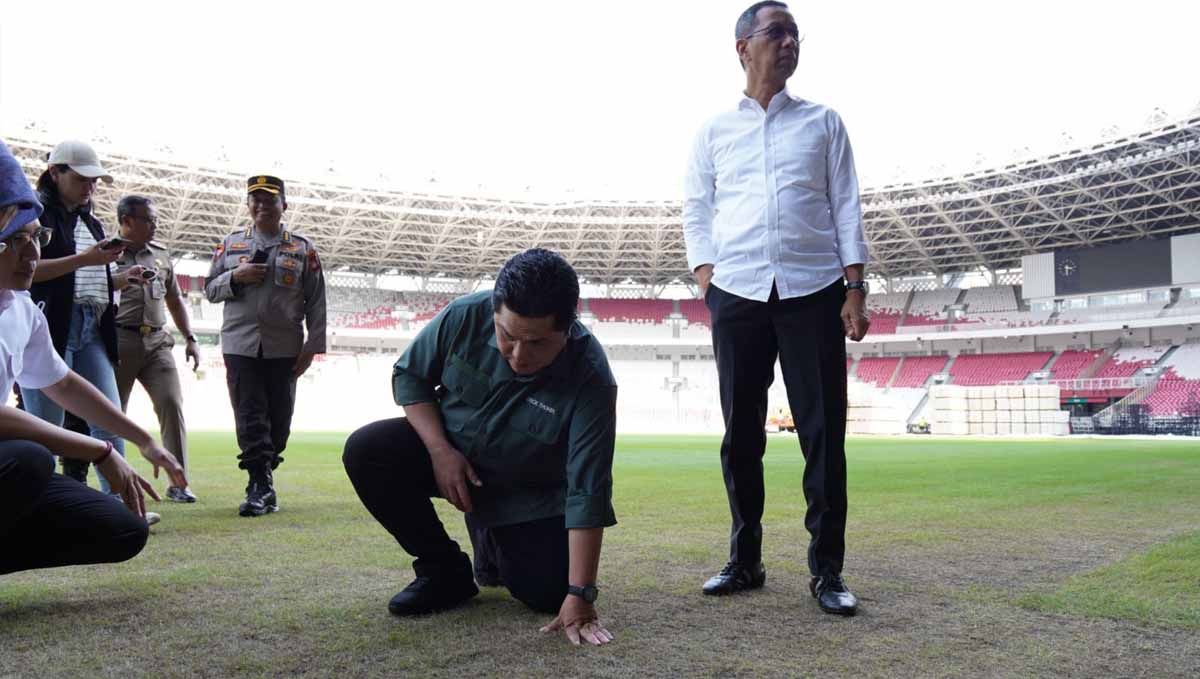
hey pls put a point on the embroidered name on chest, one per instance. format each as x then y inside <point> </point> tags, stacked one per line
<point>540,406</point>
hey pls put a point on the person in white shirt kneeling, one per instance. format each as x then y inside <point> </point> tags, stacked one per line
<point>46,519</point>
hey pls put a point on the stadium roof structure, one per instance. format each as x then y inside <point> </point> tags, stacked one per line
<point>1142,185</point>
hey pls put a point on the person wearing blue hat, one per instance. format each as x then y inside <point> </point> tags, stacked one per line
<point>46,519</point>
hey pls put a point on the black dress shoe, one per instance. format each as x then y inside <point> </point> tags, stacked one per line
<point>735,577</point>
<point>832,596</point>
<point>429,594</point>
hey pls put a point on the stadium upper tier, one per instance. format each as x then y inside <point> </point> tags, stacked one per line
<point>1146,184</point>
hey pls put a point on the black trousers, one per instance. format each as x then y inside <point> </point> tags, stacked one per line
<point>391,471</point>
<point>49,520</point>
<point>806,334</point>
<point>262,392</point>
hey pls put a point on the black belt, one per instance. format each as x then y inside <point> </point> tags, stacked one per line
<point>142,329</point>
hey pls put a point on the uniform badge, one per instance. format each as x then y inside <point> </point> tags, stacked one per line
<point>239,246</point>
<point>243,259</point>
<point>218,252</point>
<point>314,262</point>
<point>288,279</point>
<point>287,263</point>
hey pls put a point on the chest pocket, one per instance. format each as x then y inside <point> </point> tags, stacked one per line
<point>461,379</point>
<point>157,288</point>
<point>534,418</point>
<point>288,269</point>
<point>236,257</point>
<point>801,165</point>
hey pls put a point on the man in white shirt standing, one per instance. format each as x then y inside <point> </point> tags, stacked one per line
<point>774,236</point>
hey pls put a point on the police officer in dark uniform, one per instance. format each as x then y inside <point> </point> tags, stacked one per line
<point>271,282</point>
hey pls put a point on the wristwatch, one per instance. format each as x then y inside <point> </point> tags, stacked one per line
<point>588,592</point>
<point>858,285</point>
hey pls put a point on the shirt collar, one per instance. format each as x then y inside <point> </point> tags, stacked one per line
<point>781,100</point>
<point>6,298</point>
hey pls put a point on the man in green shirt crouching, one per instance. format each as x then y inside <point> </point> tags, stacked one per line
<point>511,417</point>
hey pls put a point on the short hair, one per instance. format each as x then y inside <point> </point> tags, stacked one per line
<point>538,283</point>
<point>128,203</point>
<point>745,22</point>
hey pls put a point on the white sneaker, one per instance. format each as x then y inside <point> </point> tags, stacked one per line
<point>152,518</point>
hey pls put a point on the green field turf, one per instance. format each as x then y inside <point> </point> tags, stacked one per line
<point>971,558</point>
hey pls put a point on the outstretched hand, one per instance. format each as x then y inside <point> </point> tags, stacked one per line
<point>126,482</point>
<point>158,456</point>
<point>579,622</point>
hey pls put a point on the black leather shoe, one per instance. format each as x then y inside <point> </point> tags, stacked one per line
<point>832,596</point>
<point>736,577</point>
<point>432,594</point>
<point>260,495</point>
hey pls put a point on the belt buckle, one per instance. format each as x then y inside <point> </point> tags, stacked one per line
<point>145,330</point>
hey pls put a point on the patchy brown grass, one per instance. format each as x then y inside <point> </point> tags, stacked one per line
<point>945,540</point>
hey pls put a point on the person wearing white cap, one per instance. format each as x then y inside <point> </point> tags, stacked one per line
<point>73,284</point>
<point>46,519</point>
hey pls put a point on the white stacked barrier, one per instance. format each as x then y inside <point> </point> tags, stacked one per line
<point>874,411</point>
<point>1023,409</point>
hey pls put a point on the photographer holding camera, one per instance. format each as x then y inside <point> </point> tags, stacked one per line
<point>73,285</point>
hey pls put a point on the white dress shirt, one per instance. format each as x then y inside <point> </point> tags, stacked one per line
<point>26,352</point>
<point>771,198</point>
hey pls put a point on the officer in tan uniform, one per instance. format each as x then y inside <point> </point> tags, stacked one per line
<point>146,281</point>
<point>271,282</point>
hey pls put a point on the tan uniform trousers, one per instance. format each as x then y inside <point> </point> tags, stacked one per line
<point>148,360</point>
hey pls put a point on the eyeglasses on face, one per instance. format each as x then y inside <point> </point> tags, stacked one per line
<point>40,239</point>
<point>778,32</point>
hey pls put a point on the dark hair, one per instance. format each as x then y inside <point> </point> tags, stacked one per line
<point>745,22</point>
<point>128,203</point>
<point>45,182</point>
<point>538,283</point>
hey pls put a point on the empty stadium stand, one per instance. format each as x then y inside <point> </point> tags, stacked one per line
<point>876,370</point>
<point>916,370</point>
<point>1127,361</point>
<point>631,310</point>
<point>1178,390</point>
<point>987,369</point>
<point>1072,363</point>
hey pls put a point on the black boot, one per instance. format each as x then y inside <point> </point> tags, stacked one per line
<point>260,494</point>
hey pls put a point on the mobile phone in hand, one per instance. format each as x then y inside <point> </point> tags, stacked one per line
<point>260,257</point>
<point>114,243</point>
<point>149,274</point>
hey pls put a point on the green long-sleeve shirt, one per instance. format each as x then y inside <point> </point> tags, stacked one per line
<point>541,444</point>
